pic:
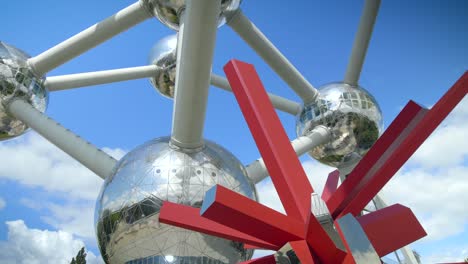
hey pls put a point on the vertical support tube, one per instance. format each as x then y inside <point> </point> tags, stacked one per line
<point>361,42</point>
<point>85,153</point>
<point>196,43</point>
<point>89,38</point>
<point>272,56</point>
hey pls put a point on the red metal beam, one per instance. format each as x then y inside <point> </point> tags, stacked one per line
<point>322,244</point>
<point>303,252</point>
<point>284,167</point>
<point>189,218</point>
<point>402,150</point>
<point>247,216</point>
<point>348,189</point>
<point>270,259</point>
<point>391,228</point>
<point>330,185</point>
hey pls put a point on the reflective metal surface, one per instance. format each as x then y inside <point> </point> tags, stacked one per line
<point>361,248</point>
<point>164,56</point>
<point>169,11</point>
<point>286,255</point>
<point>17,81</point>
<point>127,209</point>
<point>353,117</point>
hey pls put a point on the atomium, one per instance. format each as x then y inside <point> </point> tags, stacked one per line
<point>169,11</point>
<point>127,209</point>
<point>353,117</point>
<point>164,56</point>
<point>17,80</point>
<point>337,125</point>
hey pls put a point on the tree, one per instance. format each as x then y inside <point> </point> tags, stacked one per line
<point>80,257</point>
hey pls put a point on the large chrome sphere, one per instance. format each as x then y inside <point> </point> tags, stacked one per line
<point>353,117</point>
<point>169,11</point>
<point>164,56</point>
<point>17,80</point>
<point>127,209</point>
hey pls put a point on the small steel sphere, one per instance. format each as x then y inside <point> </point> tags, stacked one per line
<point>127,208</point>
<point>164,56</point>
<point>353,117</point>
<point>168,11</point>
<point>17,80</point>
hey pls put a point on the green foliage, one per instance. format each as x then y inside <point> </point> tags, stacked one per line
<point>80,257</point>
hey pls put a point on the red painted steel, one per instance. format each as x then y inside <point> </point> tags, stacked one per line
<point>188,217</point>
<point>253,218</point>
<point>270,259</point>
<point>233,216</point>
<point>391,228</point>
<point>330,185</point>
<point>345,193</point>
<point>322,244</point>
<point>403,151</point>
<point>303,252</point>
<point>284,167</point>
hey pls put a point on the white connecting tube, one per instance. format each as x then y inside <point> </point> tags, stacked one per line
<point>257,170</point>
<point>82,151</point>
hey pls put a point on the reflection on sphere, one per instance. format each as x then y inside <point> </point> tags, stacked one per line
<point>127,208</point>
<point>17,80</point>
<point>353,117</point>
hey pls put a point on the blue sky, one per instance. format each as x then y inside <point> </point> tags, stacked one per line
<point>418,50</point>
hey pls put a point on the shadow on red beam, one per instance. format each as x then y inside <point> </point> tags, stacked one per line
<point>322,244</point>
<point>247,216</point>
<point>284,167</point>
<point>391,228</point>
<point>303,252</point>
<point>330,185</point>
<point>189,218</point>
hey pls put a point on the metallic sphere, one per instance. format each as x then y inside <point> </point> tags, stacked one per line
<point>127,209</point>
<point>169,11</point>
<point>164,56</point>
<point>17,80</point>
<point>353,117</point>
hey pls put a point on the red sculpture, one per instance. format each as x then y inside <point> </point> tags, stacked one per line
<point>232,216</point>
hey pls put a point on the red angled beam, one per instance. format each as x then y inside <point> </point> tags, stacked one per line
<point>391,228</point>
<point>247,216</point>
<point>330,185</point>
<point>303,252</point>
<point>348,189</point>
<point>285,169</point>
<point>323,245</point>
<point>404,150</point>
<point>189,218</point>
<point>270,259</point>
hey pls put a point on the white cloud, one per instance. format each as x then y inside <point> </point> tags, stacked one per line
<point>2,203</point>
<point>26,245</point>
<point>33,161</point>
<point>448,146</point>
<point>433,184</point>
<point>452,254</point>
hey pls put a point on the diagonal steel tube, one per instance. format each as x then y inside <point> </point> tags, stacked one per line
<point>89,38</point>
<point>272,56</point>
<point>361,42</point>
<point>84,152</point>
